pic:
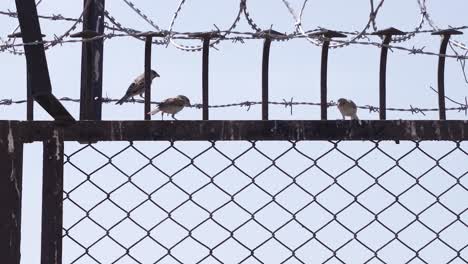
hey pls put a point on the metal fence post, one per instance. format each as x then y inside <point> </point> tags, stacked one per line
<point>52,198</point>
<point>11,166</point>
<point>92,62</point>
<point>387,37</point>
<point>327,35</point>
<point>441,67</point>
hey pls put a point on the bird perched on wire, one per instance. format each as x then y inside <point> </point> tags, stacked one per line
<point>347,108</point>
<point>171,106</point>
<point>137,87</point>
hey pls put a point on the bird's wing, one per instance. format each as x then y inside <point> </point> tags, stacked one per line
<point>135,88</point>
<point>352,104</point>
<point>131,89</point>
<point>172,101</point>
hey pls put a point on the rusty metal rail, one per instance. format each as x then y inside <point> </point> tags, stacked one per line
<point>243,130</point>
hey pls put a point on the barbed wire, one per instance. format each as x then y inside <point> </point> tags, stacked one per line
<point>234,37</point>
<point>298,33</point>
<point>461,107</point>
<point>363,37</point>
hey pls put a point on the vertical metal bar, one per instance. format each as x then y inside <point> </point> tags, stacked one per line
<point>383,78</point>
<point>323,80</point>
<point>205,80</point>
<point>148,45</point>
<point>30,99</point>
<point>441,77</point>
<point>92,62</point>
<point>11,164</point>
<point>265,66</point>
<point>52,199</point>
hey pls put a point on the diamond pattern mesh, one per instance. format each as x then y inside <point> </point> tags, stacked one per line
<point>266,202</point>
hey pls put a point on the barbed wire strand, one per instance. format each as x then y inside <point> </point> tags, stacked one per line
<point>462,107</point>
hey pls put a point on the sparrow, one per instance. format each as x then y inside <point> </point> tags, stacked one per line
<point>137,87</point>
<point>171,106</point>
<point>347,108</point>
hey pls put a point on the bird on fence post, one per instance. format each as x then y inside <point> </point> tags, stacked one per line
<point>137,87</point>
<point>171,106</point>
<point>347,108</point>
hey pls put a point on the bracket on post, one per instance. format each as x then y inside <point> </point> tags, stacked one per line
<point>268,35</point>
<point>41,88</point>
<point>445,34</point>
<point>206,37</point>
<point>387,37</point>
<point>148,49</point>
<point>327,35</point>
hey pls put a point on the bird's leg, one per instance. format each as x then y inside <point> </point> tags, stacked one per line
<point>343,117</point>
<point>173,116</point>
<point>141,95</point>
<point>133,99</point>
<point>162,116</point>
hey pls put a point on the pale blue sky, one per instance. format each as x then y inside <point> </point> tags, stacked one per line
<point>235,69</point>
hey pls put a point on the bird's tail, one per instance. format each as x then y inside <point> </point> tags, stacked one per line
<point>121,101</point>
<point>155,111</point>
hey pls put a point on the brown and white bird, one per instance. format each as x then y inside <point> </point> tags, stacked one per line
<point>347,108</point>
<point>171,106</point>
<point>137,87</point>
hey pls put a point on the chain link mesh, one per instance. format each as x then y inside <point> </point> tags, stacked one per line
<point>266,202</point>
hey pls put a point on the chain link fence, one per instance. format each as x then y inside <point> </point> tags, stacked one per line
<point>266,202</point>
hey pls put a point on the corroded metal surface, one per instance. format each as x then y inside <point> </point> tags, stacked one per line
<point>247,130</point>
<point>11,159</point>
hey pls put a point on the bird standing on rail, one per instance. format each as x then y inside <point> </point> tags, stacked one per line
<point>137,87</point>
<point>171,106</point>
<point>347,108</point>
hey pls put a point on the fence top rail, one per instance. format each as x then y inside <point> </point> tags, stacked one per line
<point>91,131</point>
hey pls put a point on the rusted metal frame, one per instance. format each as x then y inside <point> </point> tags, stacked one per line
<point>52,197</point>
<point>92,61</point>
<point>248,130</point>
<point>148,46</point>
<point>41,88</point>
<point>11,166</point>
<point>441,68</point>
